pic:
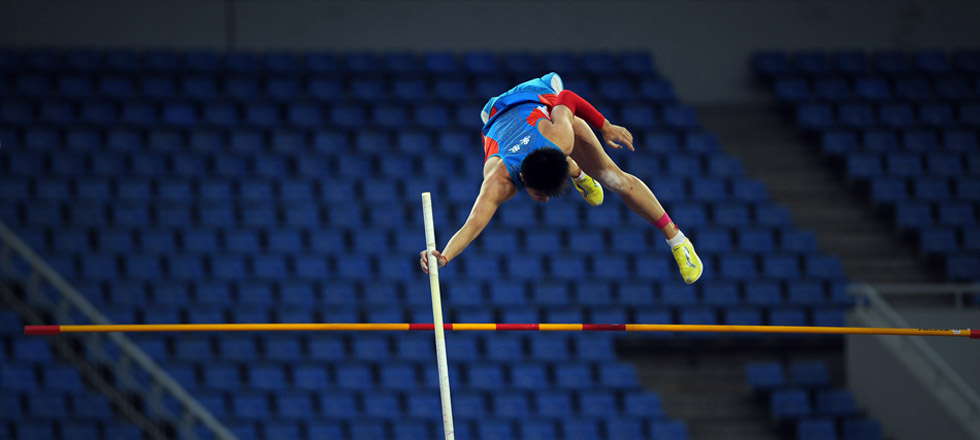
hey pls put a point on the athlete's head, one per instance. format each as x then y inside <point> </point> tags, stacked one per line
<point>545,173</point>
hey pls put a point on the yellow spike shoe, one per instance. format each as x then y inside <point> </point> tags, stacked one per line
<point>590,190</point>
<point>688,261</point>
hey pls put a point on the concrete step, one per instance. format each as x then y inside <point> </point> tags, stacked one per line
<point>857,245</point>
<point>737,430</point>
<point>888,271</point>
<point>719,407</point>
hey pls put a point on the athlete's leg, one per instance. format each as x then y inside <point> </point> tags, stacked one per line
<point>573,168</point>
<point>559,130</point>
<point>592,158</point>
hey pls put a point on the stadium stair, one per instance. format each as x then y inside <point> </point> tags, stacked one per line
<point>817,196</point>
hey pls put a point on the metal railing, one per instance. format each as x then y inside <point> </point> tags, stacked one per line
<point>940,379</point>
<point>133,369</point>
<point>957,292</point>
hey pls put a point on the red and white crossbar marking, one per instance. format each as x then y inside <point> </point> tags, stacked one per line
<point>58,329</point>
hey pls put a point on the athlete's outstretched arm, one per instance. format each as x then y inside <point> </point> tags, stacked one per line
<point>495,190</point>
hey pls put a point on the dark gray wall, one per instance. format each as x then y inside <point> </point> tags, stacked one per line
<point>896,397</point>
<point>703,45</point>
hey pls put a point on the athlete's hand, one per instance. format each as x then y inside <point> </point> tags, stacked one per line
<point>424,260</point>
<point>616,136</point>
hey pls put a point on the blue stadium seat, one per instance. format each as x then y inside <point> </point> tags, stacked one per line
<point>310,377</point>
<point>789,403</point>
<point>574,376</point>
<point>938,240</point>
<point>720,293</point>
<point>835,403</point>
<point>250,405</point>
<point>20,377</point>
<point>897,116</point>
<point>713,240</point>
<point>772,215</point>
<point>956,213</point>
<point>823,266</point>
<point>485,376</point>
<point>618,375</point>
<point>266,377</point>
<point>971,238</point>
<point>888,189</point>
<point>913,214</point>
<point>738,267</point>
<point>931,188</point>
<point>815,116</point>
<point>792,89</point>
<point>805,293</point>
<point>553,403</point>
<point>937,115</point>
<point>756,240</point>
<point>222,376</point>
<point>382,405</point>
<point>863,165</point>
<point>830,317</point>
<point>860,429</point>
<point>962,267</point>
<point>816,429</point>
<point>742,316</point>
<point>856,115</point>
<point>959,140</point>
<point>838,142</point>
<point>532,376</point>
<point>550,347</point>
<point>879,141</point>
<point>510,404</point>
<point>787,316</point>
<point>238,348</point>
<point>669,430</point>
<point>906,165</point>
<point>466,404</point>
<point>809,373</point>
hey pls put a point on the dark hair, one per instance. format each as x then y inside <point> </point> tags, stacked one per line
<point>545,170</point>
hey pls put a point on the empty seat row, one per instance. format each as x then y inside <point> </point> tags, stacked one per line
<point>893,189</point>
<point>920,214</point>
<point>300,144</point>
<point>949,240</point>
<point>264,115</point>
<point>877,89</point>
<point>844,428</point>
<point>616,382</point>
<point>322,88</point>
<point>822,116</point>
<point>134,213</point>
<point>948,143</point>
<point>37,427</point>
<point>773,64</point>
<point>284,62</point>
<point>593,292</point>
<point>27,377</point>
<point>862,165</point>
<point>294,143</point>
<point>613,237</point>
<point>386,188</point>
<point>902,116</point>
<point>404,428</point>
<point>774,375</point>
<point>478,265</point>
